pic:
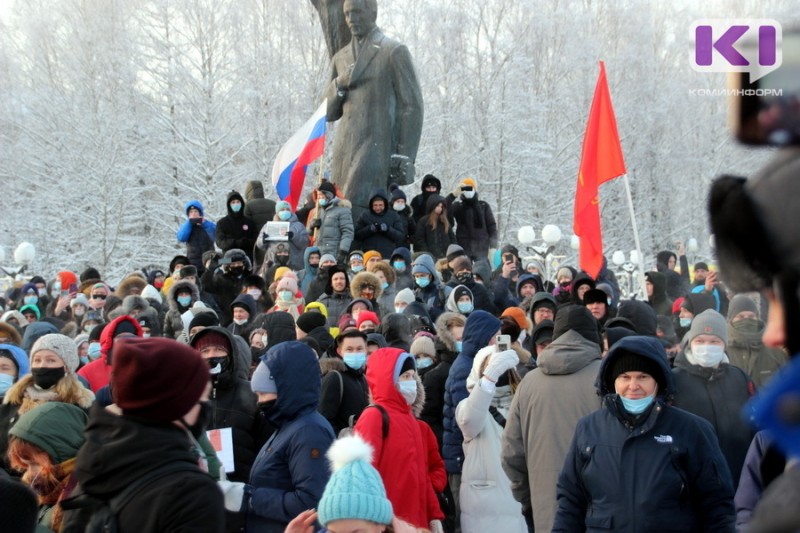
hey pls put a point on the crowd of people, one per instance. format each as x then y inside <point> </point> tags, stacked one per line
<point>404,371</point>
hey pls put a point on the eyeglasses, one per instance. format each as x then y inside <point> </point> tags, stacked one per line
<point>98,296</point>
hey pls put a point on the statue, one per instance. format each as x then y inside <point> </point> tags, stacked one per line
<point>375,96</point>
<point>334,25</point>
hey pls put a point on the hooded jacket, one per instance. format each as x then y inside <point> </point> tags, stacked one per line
<point>747,351</point>
<point>297,245</point>
<point>98,372</point>
<point>420,201</point>
<point>259,209</point>
<point>290,472</point>
<point>335,235</point>
<point>476,228</point>
<point>403,280</point>
<point>236,230</point>
<point>477,333</point>
<point>121,449</point>
<point>343,395</point>
<point>546,408</point>
<point>426,238</point>
<point>434,379</point>
<point>402,457</point>
<point>677,283</point>
<point>719,396</point>
<point>308,273</point>
<point>199,238</point>
<point>433,296</point>
<point>380,239</point>
<point>663,472</point>
<point>173,323</point>
<point>249,304</point>
<point>660,303</point>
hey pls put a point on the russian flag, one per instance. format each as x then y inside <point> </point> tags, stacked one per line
<point>302,149</point>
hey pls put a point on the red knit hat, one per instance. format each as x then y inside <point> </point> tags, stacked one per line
<point>363,316</point>
<point>156,378</point>
<point>210,337</point>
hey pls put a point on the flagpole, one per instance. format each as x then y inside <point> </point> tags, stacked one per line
<point>636,238</point>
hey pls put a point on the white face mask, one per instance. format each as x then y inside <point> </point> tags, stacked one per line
<point>522,336</point>
<point>706,355</point>
<point>469,195</point>
<point>240,321</point>
<point>398,206</point>
<point>255,293</point>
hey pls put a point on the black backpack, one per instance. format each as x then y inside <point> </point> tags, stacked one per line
<point>102,514</point>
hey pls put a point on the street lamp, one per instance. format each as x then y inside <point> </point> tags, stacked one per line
<point>23,257</point>
<point>551,234</point>
<point>626,268</point>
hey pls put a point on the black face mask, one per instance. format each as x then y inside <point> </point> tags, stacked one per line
<point>464,277</point>
<point>223,365</point>
<point>236,271</point>
<point>282,259</point>
<point>45,378</point>
<point>203,418</point>
<point>267,408</point>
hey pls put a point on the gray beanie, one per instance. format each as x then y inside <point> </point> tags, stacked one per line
<point>709,322</point>
<point>62,346</point>
<point>262,380</point>
<point>423,345</point>
<point>739,303</point>
<point>406,295</point>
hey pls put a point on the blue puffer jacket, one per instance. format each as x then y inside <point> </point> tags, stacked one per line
<point>290,472</point>
<point>199,238</point>
<point>478,332</point>
<point>661,472</point>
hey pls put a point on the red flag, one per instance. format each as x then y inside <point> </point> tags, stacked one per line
<point>601,161</point>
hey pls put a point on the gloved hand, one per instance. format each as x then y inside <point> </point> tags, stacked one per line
<point>234,494</point>
<point>436,526</point>
<point>384,228</point>
<point>375,227</point>
<point>316,223</point>
<point>341,257</point>
<point>500,362</point>
<point>290,234</point>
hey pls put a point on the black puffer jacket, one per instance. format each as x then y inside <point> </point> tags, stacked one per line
<point>337,404</point>
<point>428,239</point>
<point>119,450</point>
<point>380,232</point>
<point>234,406</point>
<point>476,228</point>
<point>718,395</point>
<point>434,380</point>
<point>236,230</point>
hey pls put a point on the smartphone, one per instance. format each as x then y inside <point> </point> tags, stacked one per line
<point>73,288</point>
<point>502,343</point>
<point>508,258</point>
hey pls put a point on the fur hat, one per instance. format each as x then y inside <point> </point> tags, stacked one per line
<point>62,346</point>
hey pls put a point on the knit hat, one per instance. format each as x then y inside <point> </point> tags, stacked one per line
<point>577,318</point>
<point>80,299</point>
<point>262,380</point>
<point>370,254</point>
<point>327,258</point>
<point>459,291</point>
<point>209,337</point>
<point>280,272</point>
<point>363,316</point>
<point>423,345</point>
<point>595,296</point>
<point>626,361</point>
<point>205,318</point>
<point>543,299</point>
<point>327,186</point>
<point>282,205</point>
<point>709,322</point>
<point>89,273</point>
<point>701,265</point>
<point>355,254</point>
<point>310,320</point>
<point>156,378</point>
<point>462,263</point>
<point>406,296</point>
<point>355,490</point>
<point>739,303</point>
<point>346,321</point>
<point>453,251</point>
<point>518,315</point>
<point>468,182</point>
<point>398,194</point>
<point>287,283</point>
<point>62,346</point>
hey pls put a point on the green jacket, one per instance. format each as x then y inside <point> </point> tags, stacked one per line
<point>746,351</point>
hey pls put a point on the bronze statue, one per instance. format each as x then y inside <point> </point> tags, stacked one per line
<point>334,26</point>
<point>375,96</point>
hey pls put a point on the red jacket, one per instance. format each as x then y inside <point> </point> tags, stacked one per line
<point>98,372</point>
<point>403,458</point>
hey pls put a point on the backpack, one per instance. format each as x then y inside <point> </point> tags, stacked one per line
<point>346,432</point>
<point>102,514</point>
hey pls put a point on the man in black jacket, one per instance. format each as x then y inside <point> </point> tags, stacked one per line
<point>344,387</point>
<point>236,230</point>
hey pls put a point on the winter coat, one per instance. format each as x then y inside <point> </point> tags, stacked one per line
<point>661,471</point>
<point>435,379</point>
<point>476,229</point>
<point>482,299</point>
<point>746,350</point>
<point>660,302</point>
<point>344,392</point>
<point>322,335</point>
<point>225,286</point>
<point>546,408</point>
<point>402,458</point>
<point>677,282</point>
<point>428,239</point>
<point>244,330</point>
<point>290,472</point>
<point>369,232</point>
<point>173,323</point>
<point>433,296</point>
<point>477,333</point>
<point>199,238</point>
<point>120,449</point>
<point>236,230</point>
<point>403,280</point>
<point>335,235</point>
<point>717,395</point>
<point>764,463</point>
<point>233,405</point>
<point>420,201</point>
<point>485,495</point>
<point>308,273</point>
<point>258,209</point>
<point>336,303</point>
<point>98,372</point>
<point>298,245</point>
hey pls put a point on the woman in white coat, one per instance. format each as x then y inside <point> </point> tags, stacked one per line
<point>485,496</point>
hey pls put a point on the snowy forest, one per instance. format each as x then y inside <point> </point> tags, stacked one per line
<point>114,113</point>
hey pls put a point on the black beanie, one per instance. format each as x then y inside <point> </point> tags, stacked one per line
<point>89,273</point>
<point>94,335</point>
<point>579,319</point>
<point>595,296</point>
<point>626,361</point>
<point>124,326</point>
<point>204,319</point>
<point>408,364</point>
<point>310,320</point>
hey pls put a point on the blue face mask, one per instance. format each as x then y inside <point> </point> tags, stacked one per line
<point>424,362</point>
<point>5,382</point>
<point>399,265</point>
<point>236,207</point>
<point>422,282</point>
<point>636,407</point>
<point>465,307</point>
<point>84,360</point>
<point>355,360</point>
<point>184,300</point>
<point>284,215</point>
<point>459,345</point>
<point>685,322</point>
<point>94,350</point>
<point>323,202</point>
<point>30,300</point>
<point>385,285</point>
<point>286,296</point>
<point>408,389</point>
<point>357,268</point>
